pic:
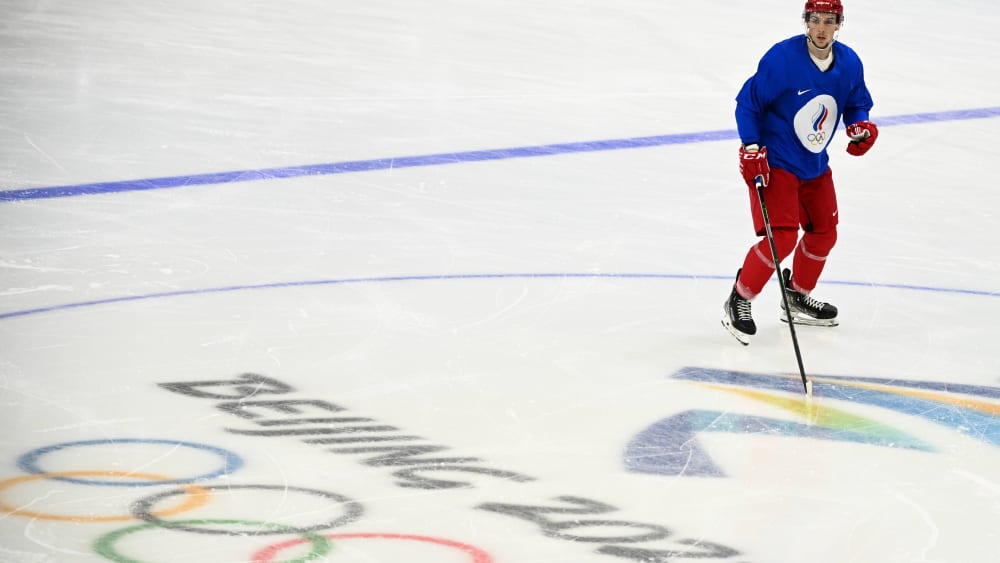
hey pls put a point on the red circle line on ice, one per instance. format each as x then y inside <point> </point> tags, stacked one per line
<point>477,555</point>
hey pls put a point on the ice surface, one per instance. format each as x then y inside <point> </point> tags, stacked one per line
<point>218,357</point>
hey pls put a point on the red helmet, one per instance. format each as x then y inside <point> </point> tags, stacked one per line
<point>825,7</point>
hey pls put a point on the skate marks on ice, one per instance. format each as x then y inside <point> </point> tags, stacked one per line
<point>179,488</point>
<point>205,515</point>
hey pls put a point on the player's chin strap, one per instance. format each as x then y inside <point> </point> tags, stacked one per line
<point>828,47</point>
<point>824,58</point>
<point>836,34</point>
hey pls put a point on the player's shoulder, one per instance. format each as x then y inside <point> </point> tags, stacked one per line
<point>844,51</point>
<point>795,41</point>
<point>793,44</point>
<point>783,52</point>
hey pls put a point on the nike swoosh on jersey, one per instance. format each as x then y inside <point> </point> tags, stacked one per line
<point>804,91</point>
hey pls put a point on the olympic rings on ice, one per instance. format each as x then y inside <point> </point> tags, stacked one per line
<point>197,495</point>
<point>194,496</point>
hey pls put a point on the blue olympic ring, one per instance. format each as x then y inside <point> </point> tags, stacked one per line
<point>231,462</point>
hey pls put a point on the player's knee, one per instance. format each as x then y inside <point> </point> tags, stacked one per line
<point>785,241</point>
<point>819,244</point>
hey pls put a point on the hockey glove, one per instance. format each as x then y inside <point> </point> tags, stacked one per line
<point>753,163</point>
<point>863,135</point>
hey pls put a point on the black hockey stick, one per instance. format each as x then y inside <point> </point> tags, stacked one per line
<point>759,182</point>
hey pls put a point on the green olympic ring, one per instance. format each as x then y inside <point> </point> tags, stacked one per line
<point>105,545</point>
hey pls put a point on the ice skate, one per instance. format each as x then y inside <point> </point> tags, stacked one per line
<point>805,309</point>
<point>737,318</point>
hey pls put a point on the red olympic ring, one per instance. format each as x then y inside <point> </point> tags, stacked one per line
<point>198,495</point>
<point>268,554</point>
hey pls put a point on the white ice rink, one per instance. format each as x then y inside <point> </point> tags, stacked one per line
<point>440,282</point>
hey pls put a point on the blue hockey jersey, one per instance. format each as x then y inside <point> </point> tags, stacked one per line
<point>793,108</point>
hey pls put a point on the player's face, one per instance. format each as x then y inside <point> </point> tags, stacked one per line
<point>822,28</point>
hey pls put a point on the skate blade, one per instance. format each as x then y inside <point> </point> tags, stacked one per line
<point>808,321</point>
<point>743,337</point>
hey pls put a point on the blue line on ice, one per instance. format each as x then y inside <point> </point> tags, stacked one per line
<point>426,278</point>
<point>439,159</point>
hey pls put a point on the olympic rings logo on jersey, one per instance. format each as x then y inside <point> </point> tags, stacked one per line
<point>812,121</point>
<point>313,510</point>
<point>817,138</point>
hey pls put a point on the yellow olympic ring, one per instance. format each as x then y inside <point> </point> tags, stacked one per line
<point>197,496</point>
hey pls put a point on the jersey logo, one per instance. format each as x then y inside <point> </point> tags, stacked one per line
<point>819,119</point>
<point>815,122</point>
<point>804,91</point>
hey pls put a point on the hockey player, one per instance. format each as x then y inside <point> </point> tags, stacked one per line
<point>787,114</point>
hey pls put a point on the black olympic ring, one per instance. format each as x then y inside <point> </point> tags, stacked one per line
<point>142,509</point>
